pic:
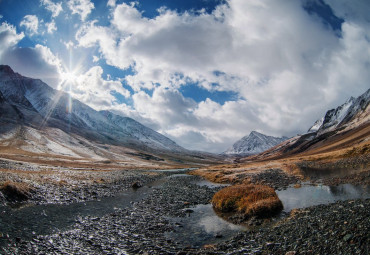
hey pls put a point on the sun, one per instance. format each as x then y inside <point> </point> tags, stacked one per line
<point>69,77</point>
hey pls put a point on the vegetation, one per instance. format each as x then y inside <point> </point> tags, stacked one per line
<point>249,200</point>
<point>16,191</point>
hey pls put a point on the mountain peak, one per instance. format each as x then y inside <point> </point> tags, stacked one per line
<point>254,143</point>
<point>341,115</point>
<point>6,70</point>
<point>36,98</point>
<point>255,133</point>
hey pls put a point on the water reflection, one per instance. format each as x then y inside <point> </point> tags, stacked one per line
<point>203,226</point>
<point>314,195</point>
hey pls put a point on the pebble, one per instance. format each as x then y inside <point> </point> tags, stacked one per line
<point>140,228</point>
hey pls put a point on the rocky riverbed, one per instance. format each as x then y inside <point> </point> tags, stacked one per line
<point>153,225</point>
<point>59,185</point>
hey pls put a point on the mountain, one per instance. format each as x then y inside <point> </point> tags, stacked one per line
<point>343,128</point>
<point>254,143</point>
<point>31,102</point>
<point>343,115</point>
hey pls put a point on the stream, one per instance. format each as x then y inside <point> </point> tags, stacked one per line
<point>201,226</point>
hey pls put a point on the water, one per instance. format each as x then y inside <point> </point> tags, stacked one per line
<point>203,226</point>
<point>314,195</point>
<point>204,182</point>
<point>30,220</point>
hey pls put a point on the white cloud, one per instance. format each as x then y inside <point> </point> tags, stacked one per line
<point>111,3</point>
<point>81,7</point>
<point>8,38</point>
<point>166,107</point>
<point>54,8</point>
<point>95,59</point>
<point>93,90</point>
<point>51,27</point>
<point>31,23</point>
<point>287,66</point>
<point>69,45</point>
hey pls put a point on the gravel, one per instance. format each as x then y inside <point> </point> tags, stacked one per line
<point>338,228</point>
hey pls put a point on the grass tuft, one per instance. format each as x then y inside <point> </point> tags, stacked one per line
<point>249,200</point>
<point>16,191</point>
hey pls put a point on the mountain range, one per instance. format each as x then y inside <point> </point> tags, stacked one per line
<point>344,127</point>
<point>32,97</point>
<point>36,118</point>
<point>39,119</point>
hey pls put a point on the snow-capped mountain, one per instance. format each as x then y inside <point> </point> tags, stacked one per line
<point>254,143</point>
<point>43,106</point>
<point>343,115</point>
<point>140,132</point>
<point>345,127</point>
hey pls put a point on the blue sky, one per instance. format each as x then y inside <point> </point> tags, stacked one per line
<point>203,72</point>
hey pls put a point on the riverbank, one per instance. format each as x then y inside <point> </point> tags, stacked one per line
<point>156,223</point>
<point>43,184</point>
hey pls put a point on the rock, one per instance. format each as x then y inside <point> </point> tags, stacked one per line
<point>347,237</point>
<point>136,185</point>
<point>291,253</point>
<point>187,210</point>
<point>218,235</point>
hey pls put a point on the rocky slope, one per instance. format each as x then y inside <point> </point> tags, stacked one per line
<point>37,106</point>
<point>344,115</point>
<point>254,143</point>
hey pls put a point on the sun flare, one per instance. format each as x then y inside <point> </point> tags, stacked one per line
<point>69,77</point>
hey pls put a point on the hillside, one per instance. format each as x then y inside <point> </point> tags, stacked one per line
<point>38,120</point>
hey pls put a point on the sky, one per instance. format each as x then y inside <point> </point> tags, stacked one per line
<point>205,73</point>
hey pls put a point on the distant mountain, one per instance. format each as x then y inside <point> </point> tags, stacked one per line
<point>344,127</point>
<point>32,102</point>
<point>254,143</point>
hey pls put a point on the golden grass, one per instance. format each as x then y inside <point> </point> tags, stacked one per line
<point>249,200</point>
<point>17,191</point>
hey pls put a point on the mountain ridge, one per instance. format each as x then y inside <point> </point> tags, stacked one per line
<point>33,97</point>
<point>344,127</point>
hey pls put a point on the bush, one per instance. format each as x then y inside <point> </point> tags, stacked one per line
<point>249,200</point>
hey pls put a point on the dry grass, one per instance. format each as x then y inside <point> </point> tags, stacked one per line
<point>16,191</point>
<point>249,200</point>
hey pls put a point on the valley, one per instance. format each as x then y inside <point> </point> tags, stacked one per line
<point>92,182</point>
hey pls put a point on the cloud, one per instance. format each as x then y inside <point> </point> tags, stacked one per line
<point>95,59</point>
<point>81,7</point>
<point>31,23</point>
<point>8,38</point>
<point>38,62</point>
<point>93,90</point>
<point>285,65</point>
<point>111,3</point>
<point>54,8</point>
<point>356,10</point>
<point>167,107</point>
<point>51,27</point>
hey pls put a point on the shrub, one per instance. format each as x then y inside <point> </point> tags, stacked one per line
<point>249,200</point>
